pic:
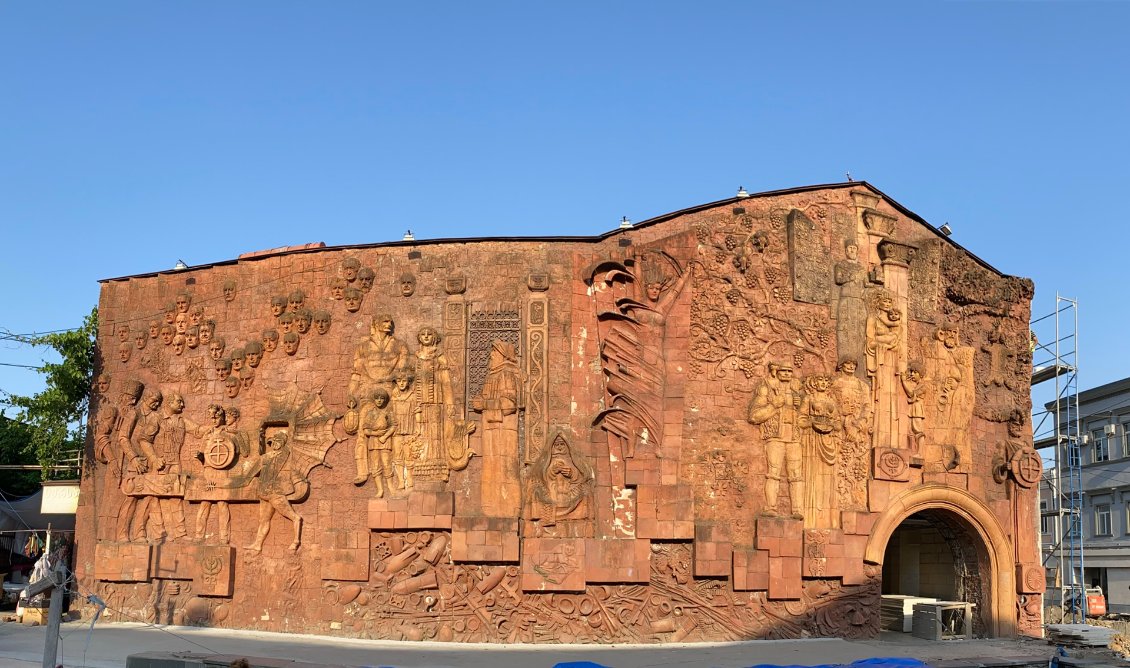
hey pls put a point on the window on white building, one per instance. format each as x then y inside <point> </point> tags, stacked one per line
<point>1102,519</point>
<point>1102,446</point>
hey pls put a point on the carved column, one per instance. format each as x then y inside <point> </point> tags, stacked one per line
<point>537,389</point>
<point>892,418</point>
<point>455,332</point>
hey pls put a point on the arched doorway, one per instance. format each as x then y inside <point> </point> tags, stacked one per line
<point>934,554</point>
<point>967,554</point>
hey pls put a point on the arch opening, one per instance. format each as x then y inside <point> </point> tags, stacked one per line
<point>934,554</point>
<point>977,543</point>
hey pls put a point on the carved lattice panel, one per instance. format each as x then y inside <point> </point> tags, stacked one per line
<point>501,323</point>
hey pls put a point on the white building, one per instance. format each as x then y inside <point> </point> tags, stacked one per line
<point>1104,455</point>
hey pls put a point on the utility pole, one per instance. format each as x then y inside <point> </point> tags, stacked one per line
<point>53,581</point>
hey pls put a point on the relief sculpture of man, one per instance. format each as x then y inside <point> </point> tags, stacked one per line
<point>128,454</point>
<point>851,312</point>
<point>499,403</point>
<point>949,368</point>
<point>378,358</point>
<point>774,408</point>
<point>170,441</point>
<point>144,436</point>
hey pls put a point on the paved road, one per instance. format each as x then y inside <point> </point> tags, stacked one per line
<point>109,645</point>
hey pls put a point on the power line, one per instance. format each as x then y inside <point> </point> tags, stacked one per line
<point>21,366</point>
<point>8,335</point>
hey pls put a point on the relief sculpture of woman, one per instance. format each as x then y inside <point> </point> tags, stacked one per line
<point>442,431</point>
<point>632,352</point>
<point>819,417</point>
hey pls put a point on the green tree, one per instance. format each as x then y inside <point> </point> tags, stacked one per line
<point>55,417</point>
<point>14,439</point>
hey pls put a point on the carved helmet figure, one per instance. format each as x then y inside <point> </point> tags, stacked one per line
<point>131,391</point>
<point>290,343</point>
<point>270,340</point>
<point>349,268</point>
<point>365,278</point>
<point>322,322</point>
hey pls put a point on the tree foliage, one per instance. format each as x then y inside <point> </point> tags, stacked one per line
<point>14,439</point>
<point>55,416</point>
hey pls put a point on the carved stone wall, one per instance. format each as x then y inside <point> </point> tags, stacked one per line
<point>684,431</point>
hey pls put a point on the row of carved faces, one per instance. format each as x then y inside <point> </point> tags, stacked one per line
<point>186,327</point>
<point>292,316</point>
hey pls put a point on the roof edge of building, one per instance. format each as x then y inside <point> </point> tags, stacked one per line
<point>321,246</point>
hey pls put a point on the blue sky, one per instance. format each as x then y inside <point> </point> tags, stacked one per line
<point>133,134</point>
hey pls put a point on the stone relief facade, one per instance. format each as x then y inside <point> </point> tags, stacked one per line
<point>701,428</point>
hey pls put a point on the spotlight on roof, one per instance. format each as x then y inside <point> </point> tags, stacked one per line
<point>946,229</point>
<point>180,265</point>
<point>625,223</point>
<point>742,193</point>
<point>408,236</point>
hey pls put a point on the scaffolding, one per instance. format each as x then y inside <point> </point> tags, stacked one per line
<point>1056,428</point>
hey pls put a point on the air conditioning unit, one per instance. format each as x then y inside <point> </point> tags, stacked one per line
<point>1110,429</point>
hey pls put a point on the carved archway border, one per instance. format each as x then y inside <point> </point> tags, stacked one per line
<point>1002,613</point>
